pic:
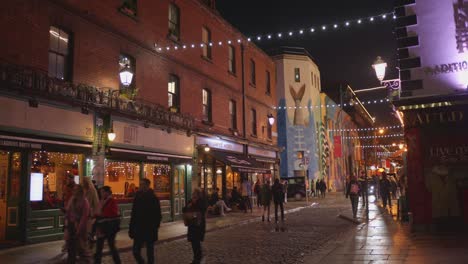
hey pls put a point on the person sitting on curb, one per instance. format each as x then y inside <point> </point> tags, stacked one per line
<point>218,204</point>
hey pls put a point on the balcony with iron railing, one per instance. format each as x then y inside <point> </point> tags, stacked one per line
<point>32,84</point>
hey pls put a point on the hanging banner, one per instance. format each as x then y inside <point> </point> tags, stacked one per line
<point>337,146</point>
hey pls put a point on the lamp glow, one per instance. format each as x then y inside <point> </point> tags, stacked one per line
<point>400,146</point>
<point>271,119</point>
<point>379,67</point>
<point>126,76</point>
<point>111,135</point>
<point>207,149</point>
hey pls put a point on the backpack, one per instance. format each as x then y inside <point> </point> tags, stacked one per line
<point>354,188</point>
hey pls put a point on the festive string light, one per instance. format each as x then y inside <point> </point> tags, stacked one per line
<point>364,129</point>
<point>374,146</point>
<point>381,101</point>
<point>369,137</point>
<point>279,35</point>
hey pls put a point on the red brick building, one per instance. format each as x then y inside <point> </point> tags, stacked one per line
<point>221,91</point>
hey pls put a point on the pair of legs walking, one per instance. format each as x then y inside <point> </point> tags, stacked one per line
<point>276,212</point>
<point>386,198</point>
<point>247,203</point>
<point>266,208</point>
<point>137,245</point>
<point>100,245</point>
<point>197,251</point>
<point>354,204</point>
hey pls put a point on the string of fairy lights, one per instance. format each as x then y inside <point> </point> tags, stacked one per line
<point>370,137</point>
<point>368,102</point>
<point>300,32</point>
<point>365,129</point>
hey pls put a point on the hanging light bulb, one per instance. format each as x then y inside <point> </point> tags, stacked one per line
<point>111,134</point>
<point>271,119</point>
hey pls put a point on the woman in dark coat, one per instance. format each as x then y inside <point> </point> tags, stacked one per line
<point>145,221</point>
<point>195,220</point>
<point>278,199</point>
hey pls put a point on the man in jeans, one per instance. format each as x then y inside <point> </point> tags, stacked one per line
<point>352,191</point>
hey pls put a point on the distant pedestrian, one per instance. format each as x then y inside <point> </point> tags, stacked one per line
<point>144,222</point>
<point>323,188</point>
<point>285,190</point>
<point>246,194</point>
<point>352,191</point>
<point>195,220</point>
<point>363,189</point>
<point>258,193</point>
<point>317,188</point>
<point>385,187</point>
<point>93,199</point>
<point>77,215</point>
<point>107,225</point>
<point>278,198</point>
<point>266,196</point>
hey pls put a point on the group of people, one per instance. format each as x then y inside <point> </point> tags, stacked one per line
<point>387,189</point>
<point>93,218</point>
<point>320,188</point>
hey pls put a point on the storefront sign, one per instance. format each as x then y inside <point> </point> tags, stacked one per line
<point>448,154</point>
<point>261,152</point>
<point>157,158</point>
<point>435,117</point>
<point>18,144</point>
<point>220,144</point>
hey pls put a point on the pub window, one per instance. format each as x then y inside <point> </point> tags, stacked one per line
<point>206,40</point>
<point>174,21</point>
<point>254,122</point>
<point>233,114</point>
<point>206,94</point>
<point>253,79</point>
<point>297,75</point>
<point>268,80</point>
<point>60,59</point>
<point>232,59</point>
<point>124,179</point>
<point>173,93</point>
<point>127,61</point>
<point>50,174</point>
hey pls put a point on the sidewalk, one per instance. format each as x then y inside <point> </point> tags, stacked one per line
<point>48,252</point>
<point>385,240</point>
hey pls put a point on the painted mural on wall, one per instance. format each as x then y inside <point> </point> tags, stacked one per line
<point>298,134</point>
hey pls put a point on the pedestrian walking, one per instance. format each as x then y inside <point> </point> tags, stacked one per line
<point>91,195</point>
<point>318,188</point>
<point>385,187</point>
<point>363,189</point>
<point>77,215</point>
<point>258,193</point>
<point>195,220</point>
<point>323,188</point>
<point>266,196</point>
<point>246,194</point>
<point>68,190</point>
<point>107,225</point>
<point>278,198</point>
<point>352,191</point>
<point>285,190</point>
<point>144,222</point>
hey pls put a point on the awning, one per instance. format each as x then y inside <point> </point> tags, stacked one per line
<point>239,162</point>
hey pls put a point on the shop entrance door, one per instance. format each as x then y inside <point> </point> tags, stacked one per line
<point>179,191</point>
<point>3,192</point>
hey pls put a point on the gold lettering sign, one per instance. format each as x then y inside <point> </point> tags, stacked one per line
<point>438,118</point>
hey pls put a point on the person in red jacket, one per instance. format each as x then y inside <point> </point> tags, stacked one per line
<point>108,224</point>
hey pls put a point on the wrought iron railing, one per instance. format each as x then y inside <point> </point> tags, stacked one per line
<point>33,83</point>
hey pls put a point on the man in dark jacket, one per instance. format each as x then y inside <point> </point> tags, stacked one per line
<point>278,199</point>
<point>385,190</point>
<point>145,221</point>
<point>352,191</point>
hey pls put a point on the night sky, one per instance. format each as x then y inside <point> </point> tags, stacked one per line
<point>343,55</point>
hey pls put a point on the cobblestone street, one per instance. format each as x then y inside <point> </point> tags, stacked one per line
<point>258,242</point>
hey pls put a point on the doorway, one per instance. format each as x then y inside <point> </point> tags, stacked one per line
<point>179,185</point>
<point>10,193</point>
